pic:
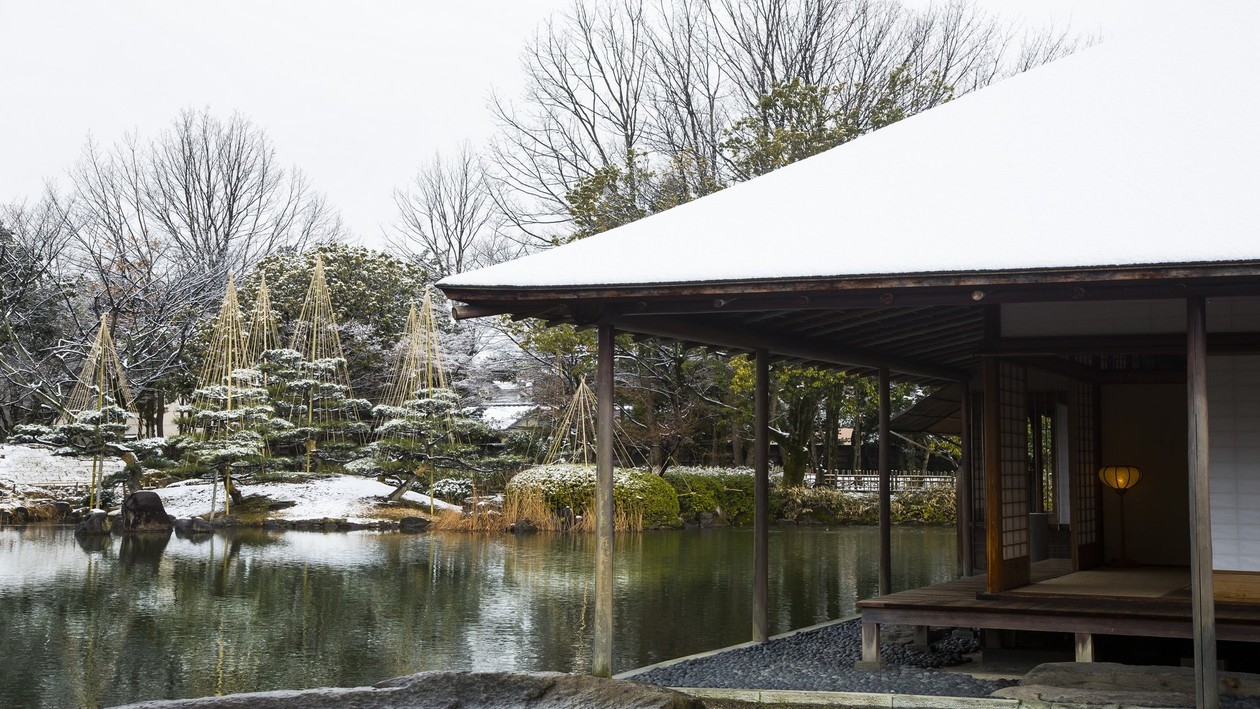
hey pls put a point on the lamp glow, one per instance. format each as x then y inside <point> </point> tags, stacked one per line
<point>1121,478</point>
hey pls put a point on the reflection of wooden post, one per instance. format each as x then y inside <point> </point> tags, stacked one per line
<point>602,651</point>
<point>885,486</point>
<point>1203,612</point>
<point>761,498</point>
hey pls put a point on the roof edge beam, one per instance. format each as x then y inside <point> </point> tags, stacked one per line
<point>795,347</point>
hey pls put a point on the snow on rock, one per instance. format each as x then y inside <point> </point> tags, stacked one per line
<point>334,497</point>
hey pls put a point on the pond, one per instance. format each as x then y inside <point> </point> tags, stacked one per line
<point>142,618</point>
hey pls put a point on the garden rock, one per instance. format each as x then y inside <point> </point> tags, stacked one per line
<point>412,525</point>
<point>467,690</point>
<point>192,525</point>
<point>523,526</point>
<point>143,512</point>
<point>94,524</point>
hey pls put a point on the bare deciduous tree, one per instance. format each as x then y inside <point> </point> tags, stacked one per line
<point>584,109</point>
<point>36,310</point>
<point>159,225</point>
<point>448,219</point>
<point>649,90</point>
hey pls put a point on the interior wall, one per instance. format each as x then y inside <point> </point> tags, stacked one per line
<point>1145,425</point>
<point>1234,461</point>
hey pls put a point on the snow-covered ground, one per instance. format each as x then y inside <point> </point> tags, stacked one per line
<point>335,497</point>
<point>34,473</point>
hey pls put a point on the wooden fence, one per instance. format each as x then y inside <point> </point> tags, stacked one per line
<point>868,480</point>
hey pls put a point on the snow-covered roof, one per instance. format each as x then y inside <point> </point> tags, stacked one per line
<point>502,417</point>
<point>1142,150</point>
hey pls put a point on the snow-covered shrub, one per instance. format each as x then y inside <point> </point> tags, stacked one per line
<point>34,433</point>
<point>637,494</point>
<point>367,466</point>
<point>453,490</point>
<point>149,448</point>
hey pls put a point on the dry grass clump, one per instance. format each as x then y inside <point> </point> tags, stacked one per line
<point>529,504</point>
<point>395,511</point>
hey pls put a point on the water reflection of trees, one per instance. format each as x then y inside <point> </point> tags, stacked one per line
<point>169,618</point>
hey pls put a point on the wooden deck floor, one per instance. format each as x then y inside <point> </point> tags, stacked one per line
<point>1093,602</point>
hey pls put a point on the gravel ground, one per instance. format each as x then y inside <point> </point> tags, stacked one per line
<point>822,660</point>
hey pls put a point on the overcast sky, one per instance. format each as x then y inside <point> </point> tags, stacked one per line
<point>356,94</point>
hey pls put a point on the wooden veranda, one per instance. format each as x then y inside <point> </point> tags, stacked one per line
<point>1150,602</point>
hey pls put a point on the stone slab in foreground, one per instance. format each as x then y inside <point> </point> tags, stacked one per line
<point>451,690</point>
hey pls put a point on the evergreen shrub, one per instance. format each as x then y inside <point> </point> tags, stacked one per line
<point>638,495</point>
<point>933,504</point>
<point>726,492</point>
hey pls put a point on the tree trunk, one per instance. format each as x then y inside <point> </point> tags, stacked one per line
<point>398,492</point>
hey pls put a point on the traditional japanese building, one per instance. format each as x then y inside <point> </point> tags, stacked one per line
<point>1075,251</point>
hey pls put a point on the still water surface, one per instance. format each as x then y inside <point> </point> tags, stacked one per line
<point>141,618</point>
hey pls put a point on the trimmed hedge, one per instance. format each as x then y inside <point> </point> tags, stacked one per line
<point>929,505</point>
<point>726,492</point>
<point>636,493</point>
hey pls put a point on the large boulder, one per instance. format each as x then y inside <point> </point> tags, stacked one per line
<point>1109,683</point>
<point>94,524</point>
<point>143,512</point>
<point>467,690</point>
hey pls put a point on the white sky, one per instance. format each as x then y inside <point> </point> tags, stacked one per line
<point>356,94</point>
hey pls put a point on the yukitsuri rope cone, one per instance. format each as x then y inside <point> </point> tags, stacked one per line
<point>100,398</point>
<point>321,398</point>
<point>230,402</point>
<point>419,412</point>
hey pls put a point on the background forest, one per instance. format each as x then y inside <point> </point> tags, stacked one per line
<point>630,108</point>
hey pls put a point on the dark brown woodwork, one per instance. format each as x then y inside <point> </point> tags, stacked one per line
<point>963,491</point>
<point>601,656</point>
<point>965,603</point>
<point>992,480</point>
<point>804,348</point>
<point>1201,593</point>
<point>885,485</point>
<point>1085,490</point>
<point>1005,472</point>
<point>761,499</point>
<point>1136,282</point>
<point>1170,344</point>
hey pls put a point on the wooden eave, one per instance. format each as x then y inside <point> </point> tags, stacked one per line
<point>931,328</point>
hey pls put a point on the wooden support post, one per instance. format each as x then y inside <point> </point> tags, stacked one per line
<point>1084,647</point>
<point>1202,608</point>
<point>922,636</point>
<point>963,495</point>
<point>992,477</point>
<point>602,652</point>
<point>761,499</point>
<point>885,485</point>
<point>870,648</point>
